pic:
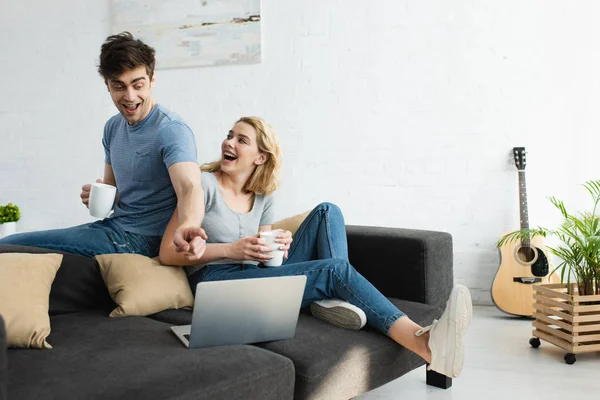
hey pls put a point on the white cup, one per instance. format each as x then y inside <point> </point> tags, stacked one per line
<point>102,198</point>
<point>269,237</point>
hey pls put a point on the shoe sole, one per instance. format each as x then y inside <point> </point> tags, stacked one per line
<point>460,302</point>
<point>341,317</point>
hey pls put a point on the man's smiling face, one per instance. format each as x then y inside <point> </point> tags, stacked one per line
<point>131,93</point>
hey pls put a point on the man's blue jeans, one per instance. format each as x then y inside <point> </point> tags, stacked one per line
<point>319,251</point>
<point>100,237</point>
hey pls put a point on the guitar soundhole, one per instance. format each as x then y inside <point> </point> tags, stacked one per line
<point>525,254</point>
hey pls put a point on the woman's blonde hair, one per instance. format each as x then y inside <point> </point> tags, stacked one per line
<point>265,178</point>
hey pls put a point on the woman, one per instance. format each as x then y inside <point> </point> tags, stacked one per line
<point>238,205</point>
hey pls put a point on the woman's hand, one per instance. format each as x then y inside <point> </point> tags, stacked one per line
<point>285,238</point>
<point>249,248</point>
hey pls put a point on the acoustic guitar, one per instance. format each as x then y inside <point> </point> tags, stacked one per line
<point>522,263</point>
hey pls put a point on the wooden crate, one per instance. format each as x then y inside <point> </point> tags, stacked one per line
<point>569,321</point>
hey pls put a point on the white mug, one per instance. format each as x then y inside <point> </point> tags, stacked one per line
<point>277,254</point>
<point>102,198</point>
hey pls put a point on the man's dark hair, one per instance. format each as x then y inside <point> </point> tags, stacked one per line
<point>123,52</point>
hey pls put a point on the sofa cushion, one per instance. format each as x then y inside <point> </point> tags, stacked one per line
<point>335,363</point>
<point>25,281</point>
<point>77,286</point>
<point>142,285</point>
<point>291,223</point>
<point>174,317</point>
<point>97,357</point>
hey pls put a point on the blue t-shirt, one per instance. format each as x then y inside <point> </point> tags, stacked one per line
<point>139,156</point>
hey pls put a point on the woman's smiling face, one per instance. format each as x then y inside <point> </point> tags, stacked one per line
<point>239,151</point>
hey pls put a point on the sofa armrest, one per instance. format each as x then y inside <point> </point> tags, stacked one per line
<point>407,264</point>
<point>3,361</point>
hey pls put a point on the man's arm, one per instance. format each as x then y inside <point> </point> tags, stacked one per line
<point>109,175</point>
<point>246,248</point>
<point>109,179</point>
<point>170,256</point>
<point>189,236</point>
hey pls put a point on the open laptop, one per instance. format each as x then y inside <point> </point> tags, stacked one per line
<point>243,311</point>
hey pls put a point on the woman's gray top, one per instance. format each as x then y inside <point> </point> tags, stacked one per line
<point>223,225</point>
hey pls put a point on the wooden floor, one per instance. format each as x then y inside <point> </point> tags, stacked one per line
<point>500,364</point>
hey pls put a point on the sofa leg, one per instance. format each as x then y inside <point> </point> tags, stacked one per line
<point>438,380</point>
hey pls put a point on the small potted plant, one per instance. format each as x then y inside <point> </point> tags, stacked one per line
<point>9,215</point>
<point>567,314</point>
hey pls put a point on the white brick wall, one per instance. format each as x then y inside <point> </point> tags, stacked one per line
<point>403,113</point>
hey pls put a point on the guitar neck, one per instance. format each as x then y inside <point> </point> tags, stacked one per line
<point>523,202</point>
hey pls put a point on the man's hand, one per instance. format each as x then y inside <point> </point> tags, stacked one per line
<point>190,240</point>
<point>85,193</point>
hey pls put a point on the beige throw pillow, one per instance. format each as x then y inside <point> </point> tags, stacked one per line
<point>292,223</point>
<point>142,286</point>
<point>25,281</point>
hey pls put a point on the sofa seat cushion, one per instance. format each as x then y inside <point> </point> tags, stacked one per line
<point>174,317</point>
<point>97,357</point>
<point>334,363</point>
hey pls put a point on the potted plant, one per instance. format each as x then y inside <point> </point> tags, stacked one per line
<point>568,314</point>
<point>9,215</point>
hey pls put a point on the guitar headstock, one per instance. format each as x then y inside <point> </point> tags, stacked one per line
<point>520,154</point>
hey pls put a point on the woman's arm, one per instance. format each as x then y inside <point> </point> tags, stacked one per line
<point>246,248</point>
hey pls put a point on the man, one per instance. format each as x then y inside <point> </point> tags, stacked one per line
<point>150,156</point>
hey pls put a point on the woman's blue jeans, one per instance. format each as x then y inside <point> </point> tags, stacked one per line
<point>100,237</point>
<point>319,251</point>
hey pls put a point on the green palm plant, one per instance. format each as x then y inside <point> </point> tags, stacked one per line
<point>578,243</point>
<point>9,213</point>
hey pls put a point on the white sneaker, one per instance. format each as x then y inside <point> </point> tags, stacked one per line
<point>447,333</point>
<point>339,313</point>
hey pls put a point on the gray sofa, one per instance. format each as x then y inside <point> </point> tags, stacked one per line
<point>97,357</point>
